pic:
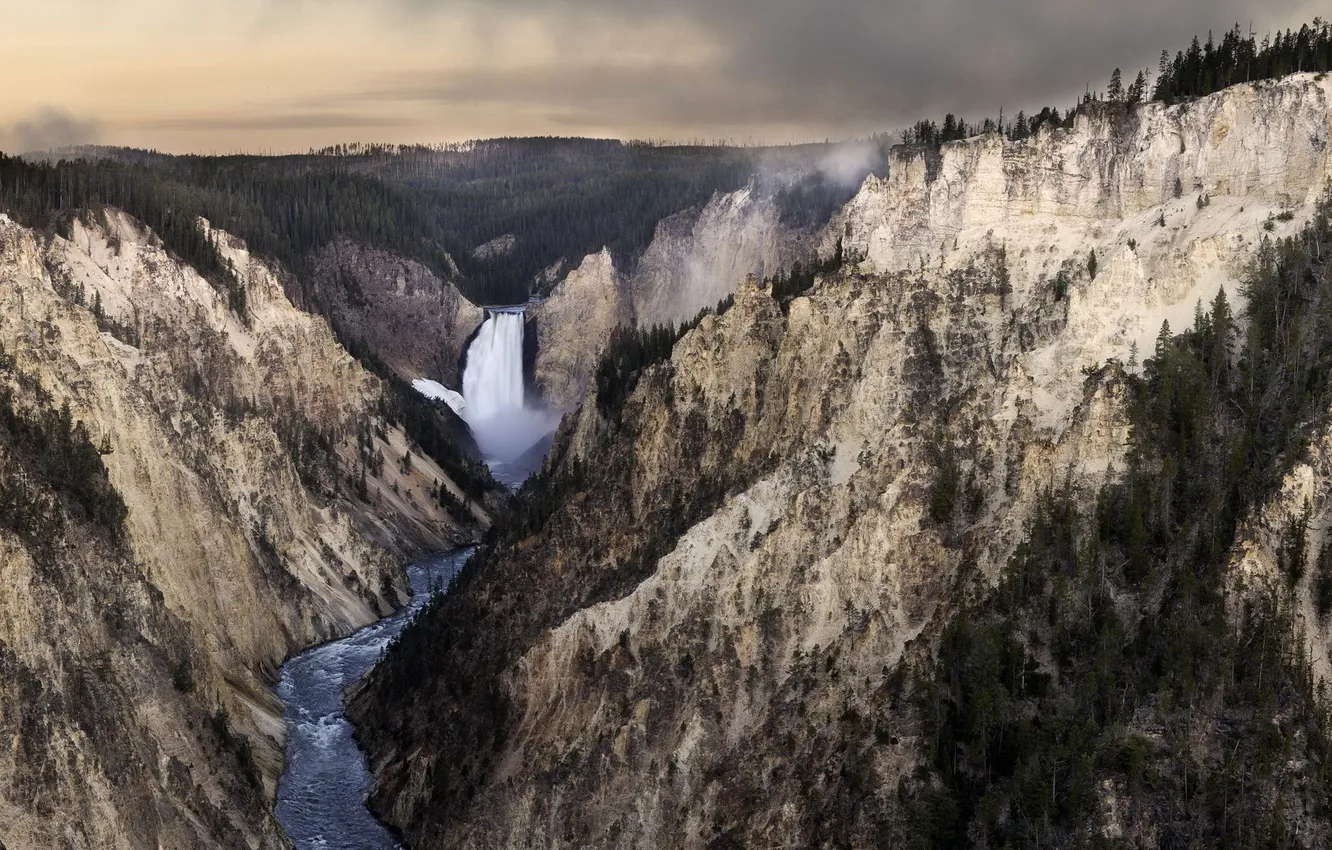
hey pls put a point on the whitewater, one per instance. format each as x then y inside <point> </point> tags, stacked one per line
<point>321,796</point>
<point>512,434</point>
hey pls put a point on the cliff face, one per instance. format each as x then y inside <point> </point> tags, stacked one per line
<point>573,326</point>
<point>696,259</point>
<point>699,257</point>
<point>136,673</point>
<point>398,308</point>
<point>1251,154</point>
<point>696,647</point>
<point>1294,524</point>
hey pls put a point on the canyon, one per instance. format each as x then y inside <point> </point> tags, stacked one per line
<point>710,602</point>
<point>700,640</point>
<point>231,439</point>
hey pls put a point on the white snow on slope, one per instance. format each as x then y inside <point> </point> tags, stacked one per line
<point>436,391</point>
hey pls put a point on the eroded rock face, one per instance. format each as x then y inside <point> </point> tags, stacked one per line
<point>416,322</point>
<point>1168,201</point>
<point>696,259</point>
<point>699,257</point>
<point>136,677</point>
<point>694,649</point>
<point>498,247</point>
<point>782,465</point>
<point>573,327</point>
<point>1299,509</point>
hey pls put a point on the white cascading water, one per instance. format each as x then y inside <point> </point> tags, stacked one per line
<point>493,381</point>
<point>506,428</point>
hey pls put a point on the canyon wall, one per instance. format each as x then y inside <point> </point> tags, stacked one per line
<point>413,321</point>
<point>692,639</point>
<point>697,258</point>
<point>135,696</point>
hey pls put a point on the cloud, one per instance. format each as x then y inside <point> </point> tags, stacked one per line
<point>47,127</point>
<point>289,74</point>
<point>847,164</point>
<point>829,66</point>
<point>271,121</point>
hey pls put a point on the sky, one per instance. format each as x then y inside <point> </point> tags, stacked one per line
<point>287,75</point>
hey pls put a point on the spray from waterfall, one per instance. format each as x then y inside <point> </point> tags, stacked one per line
<point>511,434</point>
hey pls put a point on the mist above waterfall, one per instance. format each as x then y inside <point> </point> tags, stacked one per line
<point>507,429</point>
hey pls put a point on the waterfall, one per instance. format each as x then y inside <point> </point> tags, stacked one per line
<point>510,433</point>
<point>493,382</point>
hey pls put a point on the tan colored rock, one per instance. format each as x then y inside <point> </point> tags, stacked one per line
<point>1255,151</point>
<point>417,323</point>
<point>232,562</point>
<point>752,547</point>
<point>573,327</point>
<point>699,257</point>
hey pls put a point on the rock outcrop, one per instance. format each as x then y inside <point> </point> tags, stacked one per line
<point>500,246</point>
<point>1167,200</point>
<point>573,326</point>
<point>414,321</point>
<point>135,695</point>
<point>694,649</point>
<point>699,257</point>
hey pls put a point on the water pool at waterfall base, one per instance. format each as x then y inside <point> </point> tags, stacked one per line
<point>322,793</point>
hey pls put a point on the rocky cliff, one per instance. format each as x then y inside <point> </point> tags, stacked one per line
<point>573,325</point>
<point>697,633</point>
<point>697,258</point>
<point>138,662</point>
<point>399,309</point>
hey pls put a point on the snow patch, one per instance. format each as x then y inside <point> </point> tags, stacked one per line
<point>435,391</point>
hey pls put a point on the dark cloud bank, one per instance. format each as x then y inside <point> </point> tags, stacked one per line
<point>840,66</point>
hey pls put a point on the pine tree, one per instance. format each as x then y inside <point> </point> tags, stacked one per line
<point>1164,342</point>
<point>1223,333</point>
<point>1115,92</point>
<point>1138,90</point>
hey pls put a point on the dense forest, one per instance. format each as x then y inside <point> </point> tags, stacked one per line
<point>1201,704</point>
<point>548,199</point>
<point>1210,67</point>
<point>558,198</point>
<point>46,196</point>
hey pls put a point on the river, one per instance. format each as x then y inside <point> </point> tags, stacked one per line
<point>321,796</point>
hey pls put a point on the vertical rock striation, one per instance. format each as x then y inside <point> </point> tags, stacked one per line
<point>573,326</point>
<point>415,322</point>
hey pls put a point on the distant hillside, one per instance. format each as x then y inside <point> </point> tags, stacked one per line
<point>560,199</point>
